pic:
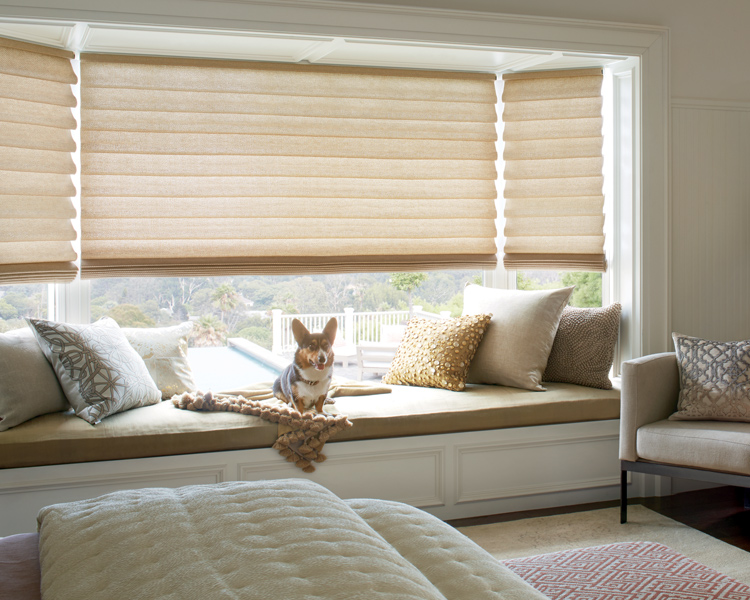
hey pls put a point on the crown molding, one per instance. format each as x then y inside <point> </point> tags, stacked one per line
<point>347,19</point>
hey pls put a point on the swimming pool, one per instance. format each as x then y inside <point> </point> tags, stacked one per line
<point>225,368</point>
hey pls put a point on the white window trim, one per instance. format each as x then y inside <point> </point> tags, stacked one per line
<point>649,238</point>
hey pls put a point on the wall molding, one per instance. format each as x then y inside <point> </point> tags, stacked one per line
<point>124,480</point>
<point>558,445</point>
<point>703,104</point>
<point>249,471</point>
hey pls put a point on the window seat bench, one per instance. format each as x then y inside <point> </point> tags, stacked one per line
<point>164,430</point>
<point>486,450</point>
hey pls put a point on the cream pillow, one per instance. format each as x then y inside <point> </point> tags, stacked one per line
<point>519,339</point>
<point>28,385</point>
<point>164,350</point>
<point>437,353</point>
<point>97,368</point>
<point>714,379</point>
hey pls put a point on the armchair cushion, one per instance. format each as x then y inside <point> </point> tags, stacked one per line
<point>713,446</point>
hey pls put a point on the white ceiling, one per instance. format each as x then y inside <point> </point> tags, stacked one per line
<point>93,37</point>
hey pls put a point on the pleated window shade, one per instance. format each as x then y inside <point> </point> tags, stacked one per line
<point>36,164</point>
<point>205,167</point>
<point>554,203</point>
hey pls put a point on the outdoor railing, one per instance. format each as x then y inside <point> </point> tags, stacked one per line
<point>353,327</point>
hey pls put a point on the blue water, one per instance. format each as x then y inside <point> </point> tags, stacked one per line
<point>218,369</point>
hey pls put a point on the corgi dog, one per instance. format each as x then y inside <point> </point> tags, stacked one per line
<point>304,383</point>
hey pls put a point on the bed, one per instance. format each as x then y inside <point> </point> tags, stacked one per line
<point>289,538</point>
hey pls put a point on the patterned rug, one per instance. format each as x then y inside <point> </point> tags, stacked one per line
<point>626,571</point>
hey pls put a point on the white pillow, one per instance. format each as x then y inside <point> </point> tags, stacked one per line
<point>164,350</point>
<point>28,385</point>
<point>518,341</point>
<point>97,368</point>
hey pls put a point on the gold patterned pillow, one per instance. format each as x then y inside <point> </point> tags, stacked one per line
<point>437,353</point>
<point>714,379</point>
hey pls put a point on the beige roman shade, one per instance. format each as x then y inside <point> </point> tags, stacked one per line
<point>36,164</point>
<point>205,167</point>
<point>554,203</point>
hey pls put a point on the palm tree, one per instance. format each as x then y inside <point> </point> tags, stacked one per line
<point>209,331</point>
<point>225,298</point>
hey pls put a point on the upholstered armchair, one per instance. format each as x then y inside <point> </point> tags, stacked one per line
<point>712,451</point>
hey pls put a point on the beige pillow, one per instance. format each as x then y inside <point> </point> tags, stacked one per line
<point>97,368</point>
<point>584,346</point>
<point>28,385</point>
<point>519,339</point>
<point>164,350</point>
<point>714,379</point>
<point>437,353</point>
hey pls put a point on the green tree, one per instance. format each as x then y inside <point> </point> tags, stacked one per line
<point>407,282</point>
<point>258,335</point>
<point>260,292</point>
<point>380,296</point>
<point>129,315</point>
<point>7,310</point>
<point>201,303</point>
<point>588,288</point>
<point>225,298</point>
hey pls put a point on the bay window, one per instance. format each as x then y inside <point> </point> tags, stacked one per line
<point>180,180</point>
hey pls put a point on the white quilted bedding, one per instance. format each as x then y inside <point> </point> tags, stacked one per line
<point>288,539</point>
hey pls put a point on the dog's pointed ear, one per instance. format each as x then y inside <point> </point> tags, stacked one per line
<point>330,329</point>
<point>299,331</point>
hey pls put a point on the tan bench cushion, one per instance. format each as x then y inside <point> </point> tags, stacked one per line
<point>425,411</point>
<point>162,429</point>
<point>712,445</point>
<point>157,430</point>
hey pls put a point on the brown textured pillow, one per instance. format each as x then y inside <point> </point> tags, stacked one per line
<point>584,346</point>
<point>714,379</point>
<point>437,353</point>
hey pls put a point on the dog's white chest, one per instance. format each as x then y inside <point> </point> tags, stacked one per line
<point>309,390</point>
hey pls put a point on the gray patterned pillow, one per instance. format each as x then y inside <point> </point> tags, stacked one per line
<point>714,379</point>
<point>97,368</point>
<point>584,346</point>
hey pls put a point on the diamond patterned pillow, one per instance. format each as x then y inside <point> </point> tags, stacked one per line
<point>97,368</point>
<point>437,353</point>
<point>714,379</point>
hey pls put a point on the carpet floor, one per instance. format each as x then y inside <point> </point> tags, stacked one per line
<point>529,537</point>
<point>625,570</point>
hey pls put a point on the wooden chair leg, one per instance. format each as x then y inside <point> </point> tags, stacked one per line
<point>623,497</point>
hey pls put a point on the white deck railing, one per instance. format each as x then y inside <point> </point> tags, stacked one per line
<point>353,327</point>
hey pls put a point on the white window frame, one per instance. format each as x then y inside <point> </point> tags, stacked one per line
<point>621,152</point>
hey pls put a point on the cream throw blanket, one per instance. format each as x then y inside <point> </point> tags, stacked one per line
<point>301,437</point>
<point>287,539</point>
